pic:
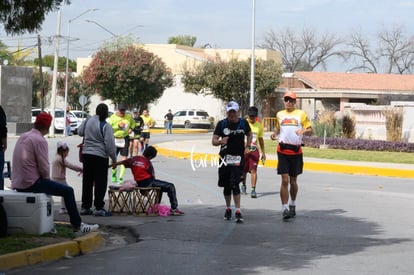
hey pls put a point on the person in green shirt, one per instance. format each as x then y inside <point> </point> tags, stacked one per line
<point>122,124</point>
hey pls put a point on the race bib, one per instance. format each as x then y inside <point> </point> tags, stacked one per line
<point>120,142</point>
<point>232,160</point>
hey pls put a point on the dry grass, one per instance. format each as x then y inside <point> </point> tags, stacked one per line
<point>393,123</point>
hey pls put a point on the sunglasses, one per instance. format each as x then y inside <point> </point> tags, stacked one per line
<point>289,99</point>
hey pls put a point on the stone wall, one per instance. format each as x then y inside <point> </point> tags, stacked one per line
<point>16,97</point>
<point>370,120</point>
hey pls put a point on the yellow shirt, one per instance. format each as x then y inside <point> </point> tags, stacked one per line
<point>147,123</point>
<point>257,132</point>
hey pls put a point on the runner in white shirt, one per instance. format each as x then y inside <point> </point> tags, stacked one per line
<point>291,125</point>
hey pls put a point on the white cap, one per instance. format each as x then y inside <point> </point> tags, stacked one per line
<point>232,105</point>
<point>61,144</point>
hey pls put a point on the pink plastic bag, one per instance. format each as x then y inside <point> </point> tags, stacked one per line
<point>163,210</point>
<point>127,185</point>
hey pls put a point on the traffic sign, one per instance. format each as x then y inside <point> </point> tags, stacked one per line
<point>83,100</point>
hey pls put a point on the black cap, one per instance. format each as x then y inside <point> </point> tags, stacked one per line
<point>121,107</point>
<point>252,111</point>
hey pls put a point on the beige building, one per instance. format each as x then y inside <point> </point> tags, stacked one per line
<point>177,56</point>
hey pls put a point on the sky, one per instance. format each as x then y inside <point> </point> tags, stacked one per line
<point>220,23</point>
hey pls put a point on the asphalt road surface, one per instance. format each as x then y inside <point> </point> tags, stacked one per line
<point>345,224</point>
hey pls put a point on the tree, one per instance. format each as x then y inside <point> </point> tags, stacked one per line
<point>129,75</point>
<point>185,40</point>
<point>4,54</point>
<point>76,88</point>
<point>230,80</point>
<point>49,61</point>
<point>304,51</point>
<point>36,89</point>
<point>393,52</point>
<point>23,16</point>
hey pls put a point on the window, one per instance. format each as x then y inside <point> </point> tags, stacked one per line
<point>200,113</point>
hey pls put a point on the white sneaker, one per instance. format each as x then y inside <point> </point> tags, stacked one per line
<point>86,228</point>
<point>62,211</point>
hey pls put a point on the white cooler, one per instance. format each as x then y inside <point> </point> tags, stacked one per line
<point>30,213</point>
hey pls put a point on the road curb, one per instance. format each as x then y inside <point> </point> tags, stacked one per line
<point>179,131</point>
<point>76,247</point>
<point>197,159</point>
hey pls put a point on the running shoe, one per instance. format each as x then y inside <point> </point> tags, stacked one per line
<point>84,211</point>
<point>85,228</point>
<point>176,212</point>
<point>253,194</point>
<point>286,214</point>
<point>292,210</point>
<point>102,213</point>
<point>239,217</point>
<point>227,214</point>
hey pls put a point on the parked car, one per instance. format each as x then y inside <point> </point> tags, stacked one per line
<point>192,118</point>
<point>80,117</point>
<point>60,121</point>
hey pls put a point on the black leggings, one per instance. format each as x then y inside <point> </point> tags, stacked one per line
<point>230,178</point>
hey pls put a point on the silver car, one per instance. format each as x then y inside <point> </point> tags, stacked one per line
<point>192,118</point>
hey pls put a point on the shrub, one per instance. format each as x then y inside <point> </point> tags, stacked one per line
<point>348,126</point>
<point>359,144</point>
<point>393,123</point>
<point>326,121</point>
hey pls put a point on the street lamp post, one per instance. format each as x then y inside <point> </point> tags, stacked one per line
<point>67,65</point>
<point>102,27</point>
<point>252,57</point>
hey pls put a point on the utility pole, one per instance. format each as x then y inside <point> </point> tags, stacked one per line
<point>67,65</point>
<point>54,80</point>
<point>42,87</point>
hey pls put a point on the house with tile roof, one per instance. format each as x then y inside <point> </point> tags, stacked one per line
<point>359,93</point>
<point>318,91</point>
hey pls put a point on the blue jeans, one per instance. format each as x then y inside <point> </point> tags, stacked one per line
<point>2,169</point>
<point>168,126</point>
<point>167,187</point>
<point>68,131</point>
<point>54,188</point>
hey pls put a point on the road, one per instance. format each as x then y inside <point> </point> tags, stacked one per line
<point>346,224</point>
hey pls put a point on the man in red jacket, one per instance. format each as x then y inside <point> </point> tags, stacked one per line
<point>144,176</point>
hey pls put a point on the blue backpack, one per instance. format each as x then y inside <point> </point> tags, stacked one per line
<point>241,125</point>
